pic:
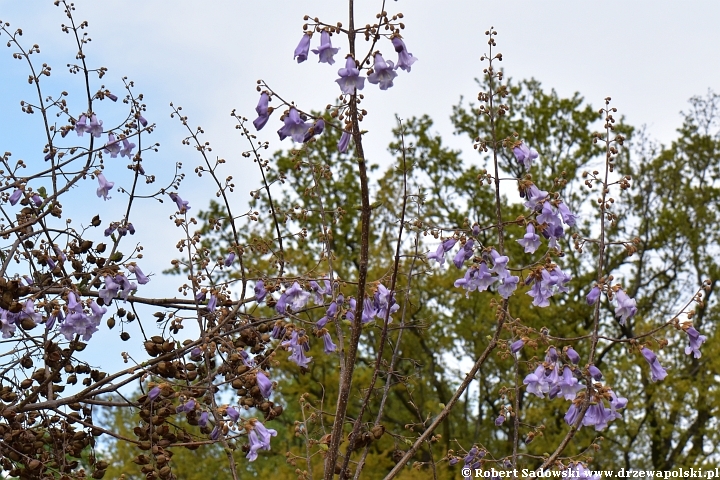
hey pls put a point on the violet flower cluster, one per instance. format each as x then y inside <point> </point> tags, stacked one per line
<point>556,379</point>
<point>77,322</point>
<point>480,276</point>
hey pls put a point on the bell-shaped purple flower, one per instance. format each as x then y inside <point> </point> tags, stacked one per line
<point>303,48</point>
<point>260,291</point>
<point>405,58</point>
<point>81,125</point>
<point>294,126</point>
<point>233,413</point>
<point>95,129</point>
<point>696,340</point>
<point>203,420</point>
<point>264,383</point>
<point>536,383</point>
<point>182,205</point>
<point>464,254</point>
<point>112,146</point>
<point>15,197</point>
<point>625,306</point>
<point>499,420</point>
<point>569,386</point>
<point>263,111</point>
<point>229,259</point>
<point>593,296</point>
<point>325,51</point>
<point>657,372</point>
<point>127,148</point>
<point>508,285</point>
<point>572,355</point>
<point>350,78</point>
<point>567,216</point>
<point>104,187</point>
<point>344,142</point>
<point>383,73</point>
<point>595,372</point>
<point>142,279</point>
<point>524,154</point>
<point>531,241</point>
<point>154,393</point>
<point>517,345</point>
<point>328,343</point>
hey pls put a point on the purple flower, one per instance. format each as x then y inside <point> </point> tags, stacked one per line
<point>464,254</point>
<point>626,306</point>
<point>212,303</point>
<point>531,241</point>
<point>536,383</point>
<point>182,205</point>
<point>229,259</point>
<point>525,155</point>
<point>142,121</point>
<point>551,356</point>
<point>303,48</point>
<point>316,129</point>
<point>296,297</point>
<point>595,372</point>
<point>657,372</point>
<point>350,78</point>
<point>572,355</point>
<point>405,59</point>
<point>383,73</point>
<point>499,420</point>
<point>517,345</point>
<point>572,414</point>
<point>189,406</point>
<point>127,149</point>
<point>567,216</point>
<point>203,420</point>
<point>263,111</point>
<point>104,187</point>
<point>110,291</point>
<point>476,278</point>
<point>298,350</point>
<point>325,51</point>
<point>534,195</point>
<point>385,304</point>
<point>260,291</point>
<point>233,414</point>
<point>499,264</point>
<point>593,296</point>
<point>264,383</point>
<point>696,340</point>
<point>81,125</point>
<point>438,255</point>
<point>508,285</point>
<point>328,343</point>
<point>259,438</point>
<point>95,128</point>
<point>344,142</point>
<point>142,279</point>
<point>294,127</point>
<point>154,393</point>
<point>37,200</point>
<point>15,197</point>
<point>547,215</point>
<point>112,146</point>
<point>215,434</point>
<point>568,384</point>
